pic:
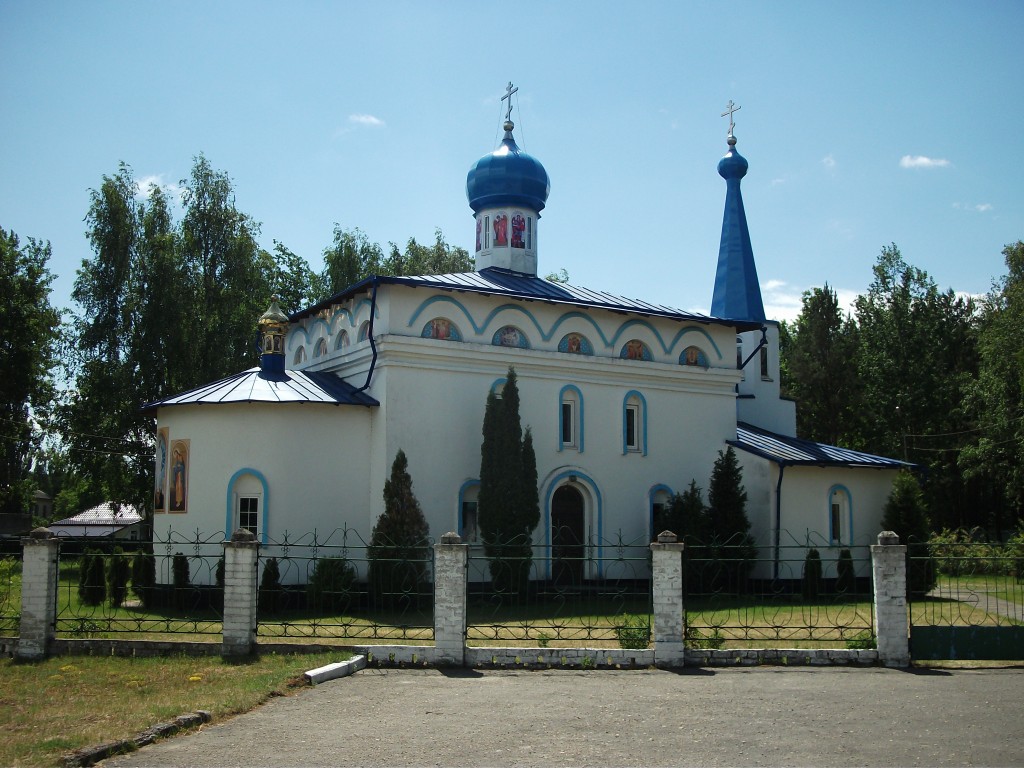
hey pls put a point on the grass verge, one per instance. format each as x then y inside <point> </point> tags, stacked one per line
<point>52,707</point>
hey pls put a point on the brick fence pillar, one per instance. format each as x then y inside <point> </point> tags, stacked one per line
<point>38,593</point>
<point>450,557</point>
<point>667,577</point>
<point>239,633</point>
<point>889,575</point>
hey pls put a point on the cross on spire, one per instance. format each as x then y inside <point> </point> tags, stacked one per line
<point>730,108</point>
<point>509,90</point>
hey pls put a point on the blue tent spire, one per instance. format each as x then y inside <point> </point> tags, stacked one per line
<point>737,292</point>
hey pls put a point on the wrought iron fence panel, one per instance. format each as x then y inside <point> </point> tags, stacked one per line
<point>336,585</point>
<point>574,593</point>
<point>110,587</point>
<point>10,594</point>
<point>963,581</point>
<point>741,595</point>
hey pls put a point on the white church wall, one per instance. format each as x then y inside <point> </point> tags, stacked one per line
<point>289,457</point>
<point>759,402</point>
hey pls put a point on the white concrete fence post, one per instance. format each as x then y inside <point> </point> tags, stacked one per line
<point>38,594</point>
<point>889,576</point>
<point>667,576</point>
<point>450,558</point>
<point>239,632</point>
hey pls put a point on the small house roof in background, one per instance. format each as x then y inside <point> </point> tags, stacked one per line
<point>106,514</point>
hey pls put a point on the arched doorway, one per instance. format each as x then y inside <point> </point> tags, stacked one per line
<point>568,534</point>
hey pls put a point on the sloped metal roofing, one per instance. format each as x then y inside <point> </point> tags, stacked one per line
<point>106,514</point>
<point>794,451</point>
<point>514,285</point>
<point>258,386</point>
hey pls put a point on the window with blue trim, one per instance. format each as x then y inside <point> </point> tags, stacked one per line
<point>634,424</point>
<point>570,419</point>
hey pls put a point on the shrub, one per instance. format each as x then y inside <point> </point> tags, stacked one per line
<point>180,577</point>
<point>811,586</point>
<point>144,578</point>
<point>846,582</point>
<point>92,581</point>
<point>633,631</point>
<point>268,598</point>
<point>118,571</point>
<point>862,641</point>
<point>330,587</point>
<point>905,514</point>
<point>694,638</point>
<point>398,545</point>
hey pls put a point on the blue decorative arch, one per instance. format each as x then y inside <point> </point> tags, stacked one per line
<point>498,384</point>
<point>553,485</point>
<point>699,331</point>
<point>229,516</point>
<point>643,324</point>
<point>575,316</point>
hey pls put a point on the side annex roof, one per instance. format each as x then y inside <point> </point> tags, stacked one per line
<point>793,451</point>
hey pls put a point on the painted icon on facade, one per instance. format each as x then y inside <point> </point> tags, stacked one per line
<point>693,356</point>
<point>576,344</point>
<point>178,490</point>
<point>634,349</point>
<point>160,481</point>
<point>518,231</point>
<point>501,230</point>
<point>510,336</point>
<point>441,328</point>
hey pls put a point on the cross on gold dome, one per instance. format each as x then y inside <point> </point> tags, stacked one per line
<point>509,90</point>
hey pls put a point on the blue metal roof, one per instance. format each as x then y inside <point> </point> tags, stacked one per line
<point>790,451</point>
<point>514,285</point>
<point>258,386</point>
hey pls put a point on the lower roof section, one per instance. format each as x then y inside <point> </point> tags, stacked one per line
<point>258,386</point>
<point>792,451</point>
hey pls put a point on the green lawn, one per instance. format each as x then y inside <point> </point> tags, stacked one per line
<point>58,705</point>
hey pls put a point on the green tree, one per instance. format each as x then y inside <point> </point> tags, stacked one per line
<point>349,259</point>
<point>437,259</point>
<point>730,544</point>
<point>398,544</point>
<point>118,572</point>
<point>29,326</point>
<point>293,280</point>
<point>906,515</point>
<point>821,370</point>
<point>916,357</point>
<point>996,456</point>
<point>268,597</point>
<point>811,584</point>
<point>507,506</point>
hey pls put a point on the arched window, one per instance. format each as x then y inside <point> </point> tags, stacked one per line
<point>342,341</point>
<point>840,516</point>
<point>570,419</point>
<point>300,356</point>
<point>247,504</point>
<point>634,423</point>
<point>321,348</point>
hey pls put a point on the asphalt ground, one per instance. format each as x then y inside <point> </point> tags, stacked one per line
<point>827,716</point>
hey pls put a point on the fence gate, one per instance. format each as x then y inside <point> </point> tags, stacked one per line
<point>975,608</point>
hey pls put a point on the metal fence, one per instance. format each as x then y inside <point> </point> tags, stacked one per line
<point>336,585</point>
<point>595,593</point>
<point>10,595</point>
<point>799,594</point>
<point>109,587</point>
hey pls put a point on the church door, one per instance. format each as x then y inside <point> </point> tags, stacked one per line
<point>568,534</point>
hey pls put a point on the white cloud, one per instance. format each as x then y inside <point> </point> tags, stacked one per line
<point>370,120</point>
<point>146,184</point>
<point>976,207</point>
<point>783,301</point>
<point>920,161</point>
<point>829,162</point>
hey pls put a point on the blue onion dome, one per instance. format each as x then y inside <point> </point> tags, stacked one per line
<point>733,165</point>
<point>507,176</point>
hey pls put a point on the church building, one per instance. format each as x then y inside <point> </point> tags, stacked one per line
<point>627,401</point>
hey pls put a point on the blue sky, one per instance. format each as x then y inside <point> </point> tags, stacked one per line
<point>864,124</point>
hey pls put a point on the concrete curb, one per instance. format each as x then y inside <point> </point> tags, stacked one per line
<point>92,755</point>
<point>334,671</point>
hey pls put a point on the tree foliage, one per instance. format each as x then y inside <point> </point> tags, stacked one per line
<point>398,545</point>
<point>906,514</point>
<point>29,326</point>
<point>508,504</point>
<point>729,542</point>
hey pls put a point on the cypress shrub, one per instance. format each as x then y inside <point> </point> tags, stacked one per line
<point>846,583</point>
<point>811,586</point>
<point>268,599</point>
<point>180,577</point>
<point>118,571</point>
<point>92,579</point>
<point>144,577</point>
<point>330,587</point>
